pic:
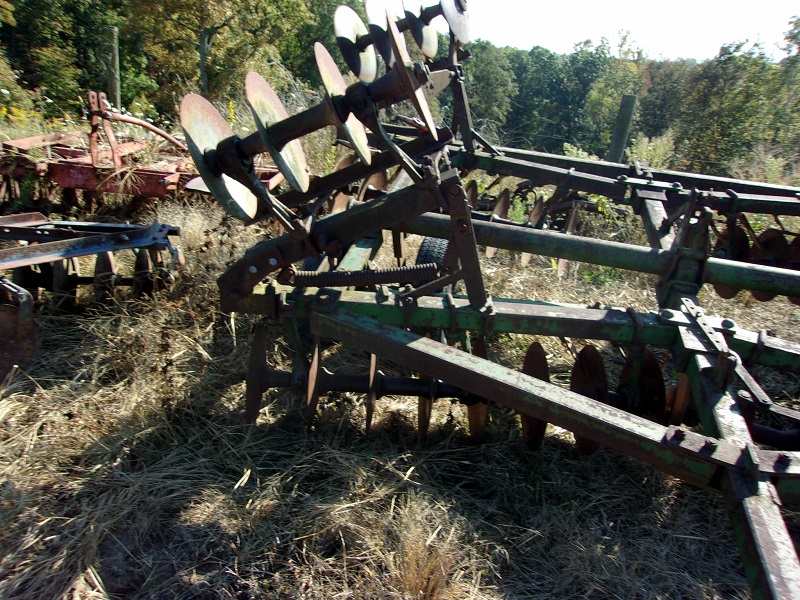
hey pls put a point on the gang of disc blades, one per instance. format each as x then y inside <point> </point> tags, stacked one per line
<point>424,35</point>
<point>348,27</point>
<point>204,128</point>
<point>455,12</point>
<point>267,110</point>
<point>335,85</point>
<point>414,93</point>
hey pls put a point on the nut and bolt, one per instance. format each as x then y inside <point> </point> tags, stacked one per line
<point>678,435</point>
<point>728,324</point>
<point>273,261</point>
<point>784,459</point>
<point>253,269</point>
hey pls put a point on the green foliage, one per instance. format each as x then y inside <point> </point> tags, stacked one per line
<point>12,94</point>
<point>729,109</point>
<point>490,82</point>
<point>658,151</point>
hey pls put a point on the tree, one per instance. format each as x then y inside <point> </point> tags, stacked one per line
<point>729,108</point>
<point>490,82</point>
<point>207,45</point>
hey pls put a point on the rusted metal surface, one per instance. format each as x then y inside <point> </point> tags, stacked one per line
<point>18,330</point>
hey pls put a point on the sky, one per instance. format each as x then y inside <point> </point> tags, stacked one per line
<point>663,29</point>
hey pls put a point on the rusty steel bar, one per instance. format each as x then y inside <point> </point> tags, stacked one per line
<point>156,234</point>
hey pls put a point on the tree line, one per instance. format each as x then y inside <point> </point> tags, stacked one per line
<point>713,116</point>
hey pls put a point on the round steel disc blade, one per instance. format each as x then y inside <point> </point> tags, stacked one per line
<point>424,35</point>
<point>677,400</point>
<point>267,110</point>
<point>537,212</point>
<point>534,365</point>
<point>377,11</point>
<point>348,27</point>
<point>455,11</point>
<point>312,392</point>
<point>371,394</point>
<point>204,128</point>
<point>20,340</point>
<point>472,193</point>
<point>478,413</point>
<point>771,250</point>
<point>255,378</point>
<point>500,210</point>
<point>649,395</point>
<point>415,94</point>
<point>335,85</point>
<point>732,245</point>
<point>373,186</point>
<point>589,379</point>
<point>341,200</point>
<point>794,263</point>
<point>105,271</point>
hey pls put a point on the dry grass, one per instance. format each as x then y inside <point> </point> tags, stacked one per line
<point>127,471</point>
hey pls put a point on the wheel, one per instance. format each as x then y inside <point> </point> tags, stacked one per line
<point>433,250</point>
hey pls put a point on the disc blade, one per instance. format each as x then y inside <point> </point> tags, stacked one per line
<point>255,379</point>
<point>204,128</point>
<point>20,336</point>
<point>335,85</point>
<point>424,35</point>
<point>377,12</point>
<point>312,391</point>
<point>794,263</point>
<point>478,413</point>
<point>534,365</point>
<point>412,91</point>
<point>500,210</point>
<point>267,109</point>
<point>348,28</point>
<point>733,244</point>
<point>589,379</point>
<point>372,393</point>
<point>643,383</point>
<point>455,12</point>
<point>771,249</point>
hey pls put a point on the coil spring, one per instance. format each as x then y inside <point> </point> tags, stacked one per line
<point>416,273</point>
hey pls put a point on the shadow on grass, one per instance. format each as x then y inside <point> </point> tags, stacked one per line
<point>180,499</point>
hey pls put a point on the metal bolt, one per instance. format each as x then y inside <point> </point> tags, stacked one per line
<point>784,459</point>
<point>711,442</point>
<point>745,395</point>
<point>462,226</point>
<point>253,269</point>
<point>667,314</point>
<point>273,261</point>
<point>678,435</point>
<point>728,324</point>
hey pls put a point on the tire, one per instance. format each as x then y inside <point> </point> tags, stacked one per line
<point>433,250</point>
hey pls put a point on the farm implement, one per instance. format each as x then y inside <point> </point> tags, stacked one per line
<point>708,422</point>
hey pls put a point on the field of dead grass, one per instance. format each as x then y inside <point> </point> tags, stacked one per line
<point>127,470</point>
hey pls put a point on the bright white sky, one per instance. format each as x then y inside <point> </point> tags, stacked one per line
<point>667,29</point>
